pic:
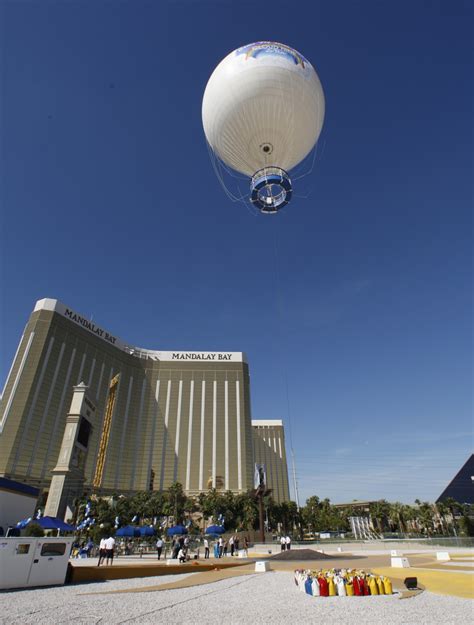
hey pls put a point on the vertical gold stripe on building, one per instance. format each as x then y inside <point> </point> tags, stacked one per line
<point>167,409</point>
<point>165,435</point>
<point>239,441</point>
<point>124,433</point>
<point>59,414</point>
<point>283,496</point>
<point>267,460</point>
<point>91,373</point>
<point>94,447</point>
<point>104,440</point>
<point>151,450</point>
<point>138,436</point>
<point>40,430</point>
<point>214,433</point>
<point>178,431</point>
<point>99,384</point>
<point>7,379</point>
<point>201,449</point>
<point>26,429</point>
<point>277,466</point>
<point>81,368</point>
<point>226,433</point>
<point>190,433</point>
<point>17,378</point>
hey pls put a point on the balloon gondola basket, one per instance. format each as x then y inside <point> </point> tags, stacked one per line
<point>270,189</point>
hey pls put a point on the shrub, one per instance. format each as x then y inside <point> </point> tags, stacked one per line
<point>33,529</point>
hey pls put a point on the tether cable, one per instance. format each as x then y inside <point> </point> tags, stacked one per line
<point>284,369</point>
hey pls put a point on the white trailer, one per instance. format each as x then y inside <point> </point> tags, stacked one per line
<point>26,562</point>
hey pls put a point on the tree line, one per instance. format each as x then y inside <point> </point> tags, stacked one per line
<point>239,512</point>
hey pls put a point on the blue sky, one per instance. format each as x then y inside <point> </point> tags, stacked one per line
<point>110,204</point>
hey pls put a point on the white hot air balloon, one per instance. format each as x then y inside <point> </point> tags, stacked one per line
<point>262,112</point>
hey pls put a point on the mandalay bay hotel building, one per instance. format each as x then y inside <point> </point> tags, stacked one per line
<point>175,416</point>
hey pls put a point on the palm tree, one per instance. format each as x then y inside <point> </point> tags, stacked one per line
<point>409,516</point>
<point>249,511</point>
<point>443,510</point>
<point>176,500</point>
<point>210,503</point>
<point>425,516</point>
<point>379,510</point>
<point>140,504</point>
<point>310,513</point>
<point>396,516</point>
<point>452,505</point>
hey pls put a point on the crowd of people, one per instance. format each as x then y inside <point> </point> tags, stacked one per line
<point>222,546</point>
<point>180,548</point>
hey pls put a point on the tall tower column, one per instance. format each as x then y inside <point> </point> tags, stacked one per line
<point>68,475</point>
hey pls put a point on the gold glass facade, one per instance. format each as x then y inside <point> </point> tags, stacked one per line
<point>177,416</point>
<point>269,449</point>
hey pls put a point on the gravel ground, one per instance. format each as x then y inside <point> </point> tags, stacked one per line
<point>257,598</point>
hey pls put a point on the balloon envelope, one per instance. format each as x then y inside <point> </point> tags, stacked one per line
<point>263,106</point>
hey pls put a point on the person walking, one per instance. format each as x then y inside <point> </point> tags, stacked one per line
<point>109,550</point>
<point>102,551</point>
<point>159,547</point>
<point>283,543</point>
<point>232,545</point>
<point>246,546</point>
<point>288,543</point>
<point>176,548</point>
<point>221,547</point>
<point>206,548</point>
<point>89,548</point>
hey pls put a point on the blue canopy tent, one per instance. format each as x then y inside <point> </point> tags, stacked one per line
<point>53,523</point>
<point>215,529</point>
<point>176,530</point>
<point>146,530</point>
<point>130,531</point>
<point>47,523</point>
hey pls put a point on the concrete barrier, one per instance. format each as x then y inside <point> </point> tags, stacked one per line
<point>400,563</point>
<point>262,566</point>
